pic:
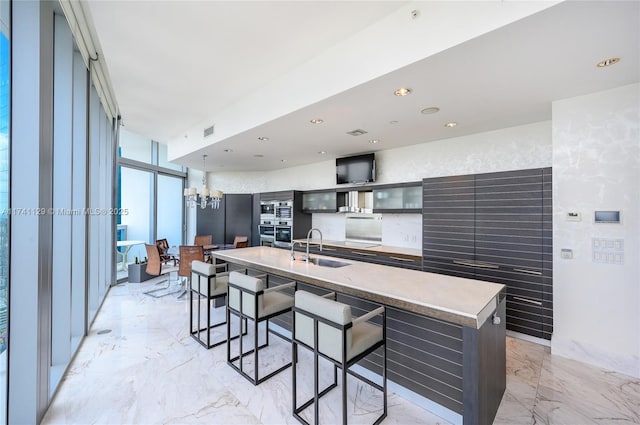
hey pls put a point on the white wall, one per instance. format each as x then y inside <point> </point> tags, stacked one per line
<point>514,148</point>
<point>596,166</point>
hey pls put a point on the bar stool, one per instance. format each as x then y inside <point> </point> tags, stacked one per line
<point>326,327</point>
<point>207,283</point>
<point>249,299</point>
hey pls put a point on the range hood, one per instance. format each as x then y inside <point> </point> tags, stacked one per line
<point>357,202</point>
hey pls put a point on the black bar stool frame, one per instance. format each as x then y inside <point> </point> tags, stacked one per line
<point>255,380</point>
<point>344,366</point>
<point>196,333</point>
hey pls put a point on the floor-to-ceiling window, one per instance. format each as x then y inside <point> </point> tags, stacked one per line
<point>61,199</point>
<point>136,220</point>
<point>169,224</point>
<point>5,66</point>
<point>149,197</point>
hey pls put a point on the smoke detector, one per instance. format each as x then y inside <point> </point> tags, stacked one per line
<point>357,132</point>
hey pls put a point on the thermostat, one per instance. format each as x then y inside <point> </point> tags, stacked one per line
<point>574,216</point>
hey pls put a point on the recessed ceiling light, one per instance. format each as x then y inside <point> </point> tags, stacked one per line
<point>263,139</point>
<point>607,62</point>
<point>374,141</point>
<point>451,124</point>
<point>322,152</point>
<point>430,110</point>
<point>402,91</point>
<point>316,121</point>
<point>228,150</point>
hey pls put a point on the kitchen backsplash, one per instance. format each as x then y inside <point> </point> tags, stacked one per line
<point>404,230</point>
<point>401,230</point>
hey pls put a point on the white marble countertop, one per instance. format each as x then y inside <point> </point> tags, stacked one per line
<point>361,246</point>
<point>462,301</point>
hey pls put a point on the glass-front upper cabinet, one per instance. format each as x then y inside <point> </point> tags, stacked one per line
<point>321,201</point>
<point>405,198</point>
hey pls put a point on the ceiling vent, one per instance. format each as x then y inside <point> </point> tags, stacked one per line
<point>208,131</point>
<point>357,132</point>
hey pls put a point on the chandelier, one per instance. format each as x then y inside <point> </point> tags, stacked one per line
<point>206,198</point>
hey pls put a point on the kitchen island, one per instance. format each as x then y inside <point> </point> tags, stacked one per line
<point>446,335</point>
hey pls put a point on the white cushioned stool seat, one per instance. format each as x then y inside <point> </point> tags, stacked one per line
<point>268,303</point>
<point>217,283</point>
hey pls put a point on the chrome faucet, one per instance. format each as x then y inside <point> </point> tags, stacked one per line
<point>309,237</point>
<point>293,256</point>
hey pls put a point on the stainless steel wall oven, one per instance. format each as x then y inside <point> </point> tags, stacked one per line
<point>283,236</point>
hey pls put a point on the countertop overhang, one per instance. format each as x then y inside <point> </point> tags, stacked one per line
<point>466,302</point>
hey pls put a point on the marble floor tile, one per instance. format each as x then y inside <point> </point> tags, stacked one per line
<point>524,361</point>
<point>571,392</point>
<point>140,365</point>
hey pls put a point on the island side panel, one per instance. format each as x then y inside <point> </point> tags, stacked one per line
<point>485,369</point>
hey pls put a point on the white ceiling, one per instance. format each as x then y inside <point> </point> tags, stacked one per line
<point>166,59</point>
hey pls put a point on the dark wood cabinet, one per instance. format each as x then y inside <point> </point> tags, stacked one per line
<point>233,218</point>
<point>448,221</point>
<point>495,227</point>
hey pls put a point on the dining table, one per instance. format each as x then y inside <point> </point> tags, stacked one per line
<point>127,245</point>
<point>174,251</point>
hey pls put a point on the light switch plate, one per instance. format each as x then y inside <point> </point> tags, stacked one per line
<point>607,251</point>
<point>566,254</point>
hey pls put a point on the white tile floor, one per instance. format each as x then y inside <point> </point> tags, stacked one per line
<point>149,370</point>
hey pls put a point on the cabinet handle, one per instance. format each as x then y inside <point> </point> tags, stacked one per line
<point>408,260</point>
<point>486,266</point>
<point>478,265</point>
<point>364,253</point>
<point>528,301</point>
<point>329,249</point>
<point>533,272</point>
<point>464,263</point>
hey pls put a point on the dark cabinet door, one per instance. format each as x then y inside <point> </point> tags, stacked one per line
<point>238,216</point>
<point>255,220</point>
<point>233,218</point>
<point>448,219</point>
<point>211,222</point>
<point>495,227</point>
<point>509,238</point>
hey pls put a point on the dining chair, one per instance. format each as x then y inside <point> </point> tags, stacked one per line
<point>203,240</point>
<point>188,253</point>
<point>156,267</point>
<point>163,247</point>
<point>241,242</point>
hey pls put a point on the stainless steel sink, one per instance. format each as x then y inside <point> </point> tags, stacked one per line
<point>323,262</point>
